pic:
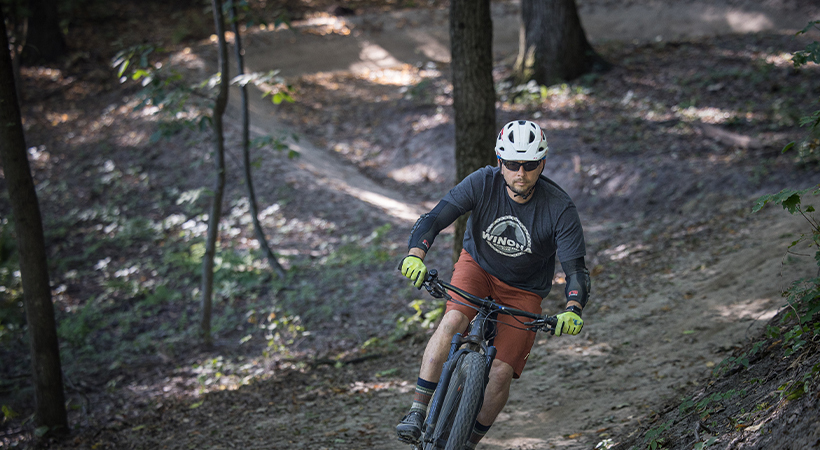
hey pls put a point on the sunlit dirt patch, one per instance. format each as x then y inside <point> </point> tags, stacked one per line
<point>749,309</point>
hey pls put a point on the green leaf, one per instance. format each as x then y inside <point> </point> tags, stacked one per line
<point>197,404</point>
<point>123,67</point>
<point>388,372</point>
<point>792,203</point>
<point>788,147</point>
<point>41,431</point>
<point>8,413</point>
<point>810,25</point>
<point>139,73</point>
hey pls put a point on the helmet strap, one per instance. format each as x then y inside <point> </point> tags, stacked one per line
<point>523,196</point>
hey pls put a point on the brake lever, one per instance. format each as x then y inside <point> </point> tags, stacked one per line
<point>547,324</point>
<point>434,290</point>
<point>433,285</point>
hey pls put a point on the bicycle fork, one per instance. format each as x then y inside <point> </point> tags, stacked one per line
<point>447,372</point>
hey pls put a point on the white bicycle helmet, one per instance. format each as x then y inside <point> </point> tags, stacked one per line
<point>521,140</point>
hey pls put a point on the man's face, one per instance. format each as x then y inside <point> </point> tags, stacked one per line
<point>521,181</point>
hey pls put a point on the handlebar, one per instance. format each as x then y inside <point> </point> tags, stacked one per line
<point>438,289</point>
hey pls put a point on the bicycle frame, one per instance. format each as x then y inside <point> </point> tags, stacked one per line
<point>482,330</point>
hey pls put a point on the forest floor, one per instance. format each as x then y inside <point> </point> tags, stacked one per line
<point>665,155</point>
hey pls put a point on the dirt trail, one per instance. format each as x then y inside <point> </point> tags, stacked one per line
<point>383,41</point>
<point>663,334</point>
<point>658,324</point>
<point>325,168</point>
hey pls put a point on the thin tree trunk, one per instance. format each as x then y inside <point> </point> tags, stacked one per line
<point>471,40</point>
<point>553,46</point>
<point>219,187</point>
<point>42,330</point>
<point>246,154</point>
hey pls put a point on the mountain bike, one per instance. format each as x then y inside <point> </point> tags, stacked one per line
<point>460,393</point>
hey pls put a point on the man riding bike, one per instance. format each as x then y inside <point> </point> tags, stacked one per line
<point>520,222</point>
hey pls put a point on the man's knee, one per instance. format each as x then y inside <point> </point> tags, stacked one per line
<point>453,322</point>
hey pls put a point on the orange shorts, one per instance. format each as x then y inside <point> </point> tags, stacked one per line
<point>513,344</point>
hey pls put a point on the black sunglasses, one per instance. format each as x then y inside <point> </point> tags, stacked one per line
<point>529,166</point>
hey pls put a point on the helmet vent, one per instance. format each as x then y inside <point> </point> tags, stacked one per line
<point>512,138</point>
<point>532,137</point>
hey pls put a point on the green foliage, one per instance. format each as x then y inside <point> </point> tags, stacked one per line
<point>532,93</point>
<point>790,199</point>
<point>271,84</point>
<point>8,413</point>
<point>812,52</point>
<point>182,104</point>
<point>809,149</point>
<point>75,329</point>
<point>707,405</point>
<point>281,331</point>
<point>276,144</point>
<point>115,325</point>
<point>358,251</point>
<point>138,55</point>
<point>803,295</point>
<point>427,312</point>
<point>731,362</point>
<point>794,389</point>
<point>343,274</point>
<point>704,444</point>
<point>654,437</point>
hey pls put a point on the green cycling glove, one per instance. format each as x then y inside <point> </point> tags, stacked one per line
<point>413,268</point>
<point>569,323</point>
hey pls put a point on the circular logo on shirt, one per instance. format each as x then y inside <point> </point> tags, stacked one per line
<point>508,236</point>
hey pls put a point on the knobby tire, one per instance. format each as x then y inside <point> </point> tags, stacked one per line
<point>461,404</point>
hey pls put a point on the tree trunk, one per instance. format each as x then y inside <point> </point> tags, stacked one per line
<point>219,186</point>
<point>471,41</point>
<point>246,154</point>
<point>553,46</point>
<point>45,351</point>
<point>44,39</point>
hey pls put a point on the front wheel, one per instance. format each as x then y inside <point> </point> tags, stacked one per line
<point>460,406</point>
